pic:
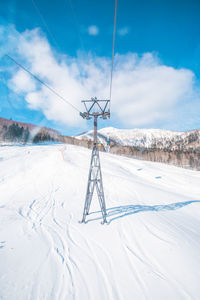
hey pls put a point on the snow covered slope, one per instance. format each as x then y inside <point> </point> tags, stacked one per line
<point>145,137</point>
<point>133,137</point>
<point>150,249</point>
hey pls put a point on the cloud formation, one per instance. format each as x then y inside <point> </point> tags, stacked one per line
<point>145,91</point>
<point>123,31</point>
<point>150,91</point>
<point>93,30</point>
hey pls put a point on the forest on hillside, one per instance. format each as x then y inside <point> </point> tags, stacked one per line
<point>20,134</point>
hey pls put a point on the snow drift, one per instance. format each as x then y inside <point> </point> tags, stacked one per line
<point>149,250</point>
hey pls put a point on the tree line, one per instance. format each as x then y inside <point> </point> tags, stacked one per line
<point>19,134</point>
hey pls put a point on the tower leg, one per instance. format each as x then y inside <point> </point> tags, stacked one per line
<point>95,180</point>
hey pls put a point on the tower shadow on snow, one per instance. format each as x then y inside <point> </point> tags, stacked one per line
<point>122,211</point>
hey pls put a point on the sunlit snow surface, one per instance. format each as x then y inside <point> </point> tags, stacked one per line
<point>137,137</point>
<point>149,250</point>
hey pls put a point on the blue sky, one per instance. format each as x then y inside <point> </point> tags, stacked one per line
<point>167,30</point>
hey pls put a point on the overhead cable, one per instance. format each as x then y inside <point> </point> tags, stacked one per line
<point>42,82</point>
<point>77,25</point>
<point>45,23</point>
<point>113,50</point>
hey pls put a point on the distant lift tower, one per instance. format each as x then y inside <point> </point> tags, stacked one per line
<point>95,108</point>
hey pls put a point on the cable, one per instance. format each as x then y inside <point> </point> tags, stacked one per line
<point>44,22</point>
<point>77,25</point>
<point>113,50</point>
<point>47,86</point>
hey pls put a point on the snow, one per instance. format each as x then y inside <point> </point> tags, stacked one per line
<point>149,250</point>
<point>136,137</point>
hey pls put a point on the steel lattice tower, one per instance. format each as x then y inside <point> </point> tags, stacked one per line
<point>95,108</point>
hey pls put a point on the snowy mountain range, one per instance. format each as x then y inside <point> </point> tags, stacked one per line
<point>147,138</point>
<point>171,147</point>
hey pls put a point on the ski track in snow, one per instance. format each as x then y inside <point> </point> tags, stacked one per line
<point>149,249</point>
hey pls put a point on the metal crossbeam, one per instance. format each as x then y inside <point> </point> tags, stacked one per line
<point>95,175</point>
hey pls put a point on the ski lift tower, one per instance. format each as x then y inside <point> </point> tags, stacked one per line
<point>95,108</point>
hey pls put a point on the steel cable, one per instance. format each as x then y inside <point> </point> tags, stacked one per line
<point>113,50</point>
<point>45,24</point>
<point>42,82</point>
<point>77,25</point>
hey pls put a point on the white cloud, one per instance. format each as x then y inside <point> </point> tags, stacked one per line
<point>93,30</point>
<point>145,91</point>
<point>148,91</point>
<point>123,31</point>
<point>22,82</point>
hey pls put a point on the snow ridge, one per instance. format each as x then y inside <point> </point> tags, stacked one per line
<point>147,138</point>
